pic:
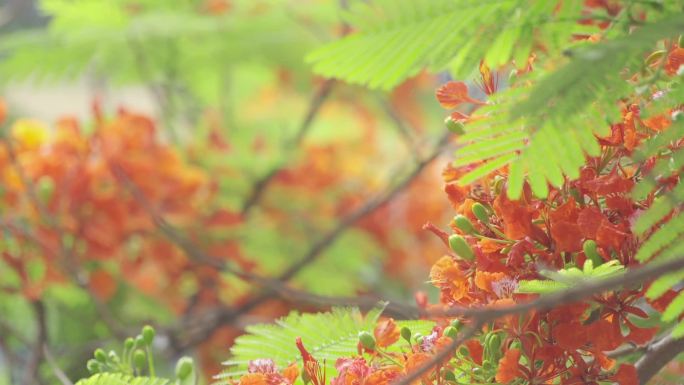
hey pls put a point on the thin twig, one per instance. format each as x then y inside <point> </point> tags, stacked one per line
<point>277,287</point>
<point>31,370</point>
<point>56,370</point>
<point>405,132</point>
<point>261,185</point>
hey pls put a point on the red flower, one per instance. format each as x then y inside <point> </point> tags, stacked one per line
<point>508,369</point>
<point>453,94</point>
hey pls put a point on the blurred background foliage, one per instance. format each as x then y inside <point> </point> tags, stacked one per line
<point>211,113</point>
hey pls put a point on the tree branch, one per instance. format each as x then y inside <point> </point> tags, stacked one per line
<point>657,356</point>
<point>31,370</point>
<point>277,287</point>
<point>261,185</point>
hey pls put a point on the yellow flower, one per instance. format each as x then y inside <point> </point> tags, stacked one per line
<point>30,133</point>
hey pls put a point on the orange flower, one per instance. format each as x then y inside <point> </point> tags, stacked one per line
<point>484,279</point>
<point>253,379</point>
<point>384,376</point>
<point>291,373</point>
<point>415,361</point>
<point>386,333</point>
<point>508,369</point>
<point>447,275</point>
<point>452,94</point>
<point>674,60</point>
<point>3,111</point>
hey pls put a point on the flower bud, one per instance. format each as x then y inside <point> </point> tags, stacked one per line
<point>100,355</point>
<point>113,357</point>
<point>459,245</point>
<point>655,56</point>
<point>450,331</point>
<point>406,334</point>
<point>449,376</point>
<point>139,341</point>
<point>457,324</point>
<point>139,359</point>
<point>487,366</point>
<point>367,340</point>
<point>499,183</point>
<point>464,351</point>
<point>93,366</point>
<point>454,126</point>
<point>464,224</point>
<point>129,343</point>
<point>493,343</point>
<point>480,213</point>
<point>148,334</point>
<point>589,248</point>
<point>184,368</point>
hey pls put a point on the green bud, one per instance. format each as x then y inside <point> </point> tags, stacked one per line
<point>480,213</point>
<point>464,224</point>
<point>93,366</point>
<point>464,351</point>
<point>139,359</point>
<point>450,331</point>
<point>487,366</point>
<point>589,248</point>
<point>129,344</point>
<point>418,338</point>
<point>454,126</point>
<point>494,343</point>
<point>139,341</point>
<point>449,376</point>
<point>100,355</point>
<point>148,334</point>
<point>459,245</point>
<point>457,324</point>
<point>498,184</point>
<point>655,56</point>
<point>367,340</point>
<point>406,334</point>
<point>184,368</point>
<point>113,357</point>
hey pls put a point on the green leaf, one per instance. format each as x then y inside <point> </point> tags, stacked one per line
<point>121,379</point>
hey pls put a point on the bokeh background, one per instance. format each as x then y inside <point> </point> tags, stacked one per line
<point>176,162</point>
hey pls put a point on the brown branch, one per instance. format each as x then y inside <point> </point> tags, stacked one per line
<point>277,287</point>
<point>657,356</point>
<point>261,185</point>
<point>31,370</point>
<point>405,132</point>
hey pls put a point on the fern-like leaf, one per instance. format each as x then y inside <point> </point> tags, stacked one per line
<point>566,278</point>
<point>122,379</point>
<point>327,336</point>
<point>395,39</point>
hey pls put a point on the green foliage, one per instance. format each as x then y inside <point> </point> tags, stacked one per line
<point>663,224</point>
<point>394,40</point>
<point>327,336</point>
<point>544,131</point>
<point>122,379</point>
<point>572,276</point>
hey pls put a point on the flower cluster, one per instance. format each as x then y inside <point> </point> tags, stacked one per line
<point>495,243</point>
